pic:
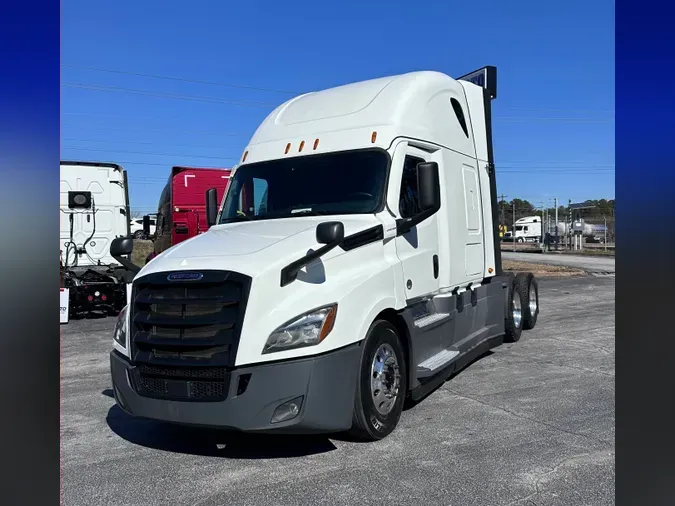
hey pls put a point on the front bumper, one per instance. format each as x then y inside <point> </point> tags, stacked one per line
<point>326,382</point>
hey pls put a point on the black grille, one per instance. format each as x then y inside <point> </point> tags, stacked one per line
<point>187,332</point>
<point>198,384</point>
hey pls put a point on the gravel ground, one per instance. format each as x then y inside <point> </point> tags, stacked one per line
<point>529,423</point>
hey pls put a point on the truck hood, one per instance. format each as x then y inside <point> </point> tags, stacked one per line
<point>249,247</point>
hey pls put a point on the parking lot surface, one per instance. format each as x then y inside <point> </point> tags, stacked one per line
<point>529,423</point>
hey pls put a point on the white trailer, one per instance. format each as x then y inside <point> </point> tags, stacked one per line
<point>94,210</point>
<point>366,271</point>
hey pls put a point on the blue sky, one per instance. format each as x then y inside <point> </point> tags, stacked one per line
<point>553,119</point>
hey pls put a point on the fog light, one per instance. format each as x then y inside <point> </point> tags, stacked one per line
<point>288,410</point>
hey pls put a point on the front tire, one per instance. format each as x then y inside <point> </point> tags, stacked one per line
<point>382,383</point>
<point>139,234</point>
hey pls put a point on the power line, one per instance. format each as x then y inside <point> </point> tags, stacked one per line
<point>167,95</point>
<point>147,143</point>
<point>248,103</point>
<point>181,79</point>
<point>273,90</point>
<point>168,130</point>
<point>512,170</point>
<point>505,164</point>
<point>151,154</point>
<point>522,119</point>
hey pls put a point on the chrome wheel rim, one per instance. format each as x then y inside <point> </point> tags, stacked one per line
<point>385,379</point>
<point>533,300</point>
<point>517,312</point>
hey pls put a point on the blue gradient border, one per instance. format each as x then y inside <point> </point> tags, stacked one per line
<point>29,156</point>
<point>645,188</point>
<point>645,165</point>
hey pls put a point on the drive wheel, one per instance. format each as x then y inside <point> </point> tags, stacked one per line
<point>530,290</point>
<point>514,315</point>
<point>139,234</point>
<point>382,383</point>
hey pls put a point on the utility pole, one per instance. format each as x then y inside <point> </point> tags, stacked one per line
<point>571,219</point>
<point>547,228</point>
<point>556,223</point>
<point>501,199</point>
<point>513,236</point>
<point>541,228</point>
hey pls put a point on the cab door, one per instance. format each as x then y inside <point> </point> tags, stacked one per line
<point>417,249</point>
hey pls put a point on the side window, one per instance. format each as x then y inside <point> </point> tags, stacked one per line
<point>253,197</point>
<point>460,115</point>
<point>409,204</point>
<point>259,196</point>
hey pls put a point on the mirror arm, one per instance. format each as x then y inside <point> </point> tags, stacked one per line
<point>405,225</point>
<point>128,264</point>
<point>290,272</point>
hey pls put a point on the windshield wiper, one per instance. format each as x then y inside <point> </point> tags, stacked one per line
<point>239,217</point>
<point>311,212</point>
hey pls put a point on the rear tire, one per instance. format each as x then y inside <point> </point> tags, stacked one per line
<point>382,384</point>
<point>514,315</point>
<point>530,290</point>
<point>139,234</point>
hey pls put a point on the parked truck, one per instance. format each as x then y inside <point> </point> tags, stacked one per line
<point>527,229</point>
<point>354,262</point>
<point>181,212</point>
<point>94,210</point>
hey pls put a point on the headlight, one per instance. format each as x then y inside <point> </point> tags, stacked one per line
<point>120,333</point>
<point>306,330</point>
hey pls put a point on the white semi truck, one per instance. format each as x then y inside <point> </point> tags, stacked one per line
<point>354,262</point>
<point>94,210</point>
<point>527,229</point>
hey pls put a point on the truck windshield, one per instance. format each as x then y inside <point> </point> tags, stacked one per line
<point>335,183</point>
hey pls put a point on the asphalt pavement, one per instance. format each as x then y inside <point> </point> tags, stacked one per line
<point>529,423</point>
<point>588,263</point>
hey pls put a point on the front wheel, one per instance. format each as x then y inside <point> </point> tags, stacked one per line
<point>382,383</point>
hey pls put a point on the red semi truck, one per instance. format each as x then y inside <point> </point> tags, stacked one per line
<point>181,212</point>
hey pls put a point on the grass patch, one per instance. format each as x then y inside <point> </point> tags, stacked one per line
<point>141,251</point>
<point>592,252</point>
<point>542,270</point>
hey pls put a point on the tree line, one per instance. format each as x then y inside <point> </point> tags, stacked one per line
<point>601,209</point>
